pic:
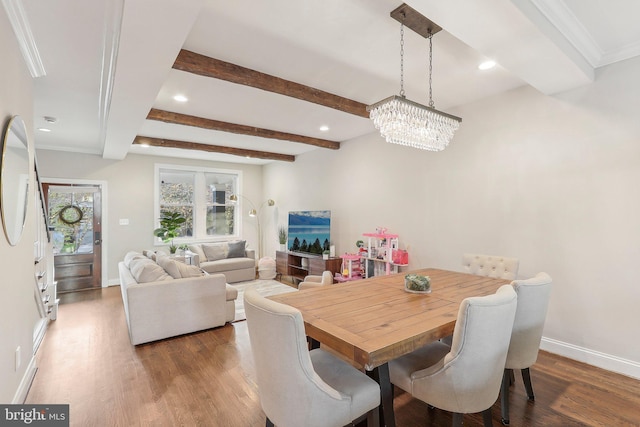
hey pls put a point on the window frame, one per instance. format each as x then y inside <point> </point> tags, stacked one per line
<point>199,204</point>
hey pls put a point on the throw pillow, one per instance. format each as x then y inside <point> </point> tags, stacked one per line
<point>144,270</point>
<point>236,249</point>
<point>215,251</point>
<point>189,270</point>
<point>197,249</point>
<point>170,266</point>
<point>130,256</point>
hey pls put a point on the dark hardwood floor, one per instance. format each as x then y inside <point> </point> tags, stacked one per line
<point>208,379</point>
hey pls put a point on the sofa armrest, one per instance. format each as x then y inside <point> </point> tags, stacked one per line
<point>250,253</point>
<point>195,258</point>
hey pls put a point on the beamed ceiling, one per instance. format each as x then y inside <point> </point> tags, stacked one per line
<point>261,78</point>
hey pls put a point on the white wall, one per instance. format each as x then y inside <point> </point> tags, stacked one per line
<point>130,195</point>
<point>550,180</point>
<point>18,311</point>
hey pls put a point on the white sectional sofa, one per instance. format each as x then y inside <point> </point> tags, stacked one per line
<point>168,298</point>
<point>232,259</point>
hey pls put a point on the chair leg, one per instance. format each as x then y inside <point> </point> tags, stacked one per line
<point>269,423</point>
<point>526,377</point>
<point>512,377</point>
<point>486,417</point>
<point>373,418</point>
<point>504,397</point>
<point>457,420</point>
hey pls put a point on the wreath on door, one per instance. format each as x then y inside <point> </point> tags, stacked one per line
<point>70,214</point>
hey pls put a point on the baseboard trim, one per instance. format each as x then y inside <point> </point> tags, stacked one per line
<point>592,357</point>
<point>25,384</point>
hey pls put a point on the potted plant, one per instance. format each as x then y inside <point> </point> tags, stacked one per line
<point>282,237</point>
<point>170,224</point>
<point>325,254</point>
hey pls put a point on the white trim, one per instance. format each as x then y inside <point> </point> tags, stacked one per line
<point>197,169</point>
<point>104,215</point>
<point>112,28</point>
<point>25,383</point>
<point>39,331</point>
<point>22,30</point>
<point>592,357</point>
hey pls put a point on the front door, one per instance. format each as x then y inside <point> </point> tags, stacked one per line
<point>75,218</point>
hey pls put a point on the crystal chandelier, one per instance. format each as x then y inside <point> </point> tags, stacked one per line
<point>404,122</point>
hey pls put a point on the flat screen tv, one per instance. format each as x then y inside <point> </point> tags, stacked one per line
<point>309,231</point>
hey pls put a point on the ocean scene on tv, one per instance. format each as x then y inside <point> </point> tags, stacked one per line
<point>309,231</point>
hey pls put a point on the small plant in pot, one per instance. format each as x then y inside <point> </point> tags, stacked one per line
<point>170,225</point>
<point>282,237</point>
<point>325,254</point>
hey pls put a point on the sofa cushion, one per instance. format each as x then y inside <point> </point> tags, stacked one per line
<point>170,266</point>
<point>144,270</point>
<point>228,264</point>
<point>149,254</point>
<point>189,270</point>
<point>215,251</point>
<point>236,249</point>
<point>177,269</point>
<point>231,293</point>
<point>131,256</point>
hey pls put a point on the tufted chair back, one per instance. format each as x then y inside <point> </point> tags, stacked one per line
<point>298,387</point>
<point>498,267</point>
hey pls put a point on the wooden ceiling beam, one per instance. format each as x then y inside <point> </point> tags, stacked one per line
<point>184,119</point>
<point>210,67</point>
<point>169,143</point>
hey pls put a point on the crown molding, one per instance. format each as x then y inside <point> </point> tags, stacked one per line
<point>22,30</point>
<point>559,14</point>
<point>624,52</point>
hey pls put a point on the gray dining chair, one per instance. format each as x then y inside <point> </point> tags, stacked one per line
<point>464,378</point>
<point>533,300</point>
<point>498,267</point>
<point>298,387</point>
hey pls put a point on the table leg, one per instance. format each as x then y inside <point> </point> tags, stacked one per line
<point>381,375</point>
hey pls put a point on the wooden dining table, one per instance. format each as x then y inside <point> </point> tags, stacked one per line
<point>373,321</point>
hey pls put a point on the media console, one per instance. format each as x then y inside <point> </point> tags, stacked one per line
<point>299,264</point>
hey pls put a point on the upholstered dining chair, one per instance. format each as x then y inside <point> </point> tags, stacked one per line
<point>498,267</point>
<point>298,387</point>
<point>312,281</point>
<point>464,378</point>
<point>533,300</point>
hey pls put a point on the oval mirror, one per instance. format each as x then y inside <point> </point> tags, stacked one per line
<point>14,179</point>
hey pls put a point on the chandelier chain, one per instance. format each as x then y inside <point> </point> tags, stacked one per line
<point>402,57</point>
<point>431,104</point>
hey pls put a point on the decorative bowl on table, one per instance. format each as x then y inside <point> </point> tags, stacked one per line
<point>417,284</point>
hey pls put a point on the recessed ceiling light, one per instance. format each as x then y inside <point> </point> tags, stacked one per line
<point>44,130</point>
<point>324,128</point>
<point>144,145</point>
<point>487,65</point>
<point>180,98</point>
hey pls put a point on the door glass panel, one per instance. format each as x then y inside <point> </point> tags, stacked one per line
<point>71,216</point>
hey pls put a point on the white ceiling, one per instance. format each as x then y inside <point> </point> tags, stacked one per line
<point>106,63</point>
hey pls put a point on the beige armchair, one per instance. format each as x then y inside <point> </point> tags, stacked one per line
<point>463,378</point>
<point>310,282</point>
<point>498,267</point>
<point>298,387</point>
<point>533,300</point>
